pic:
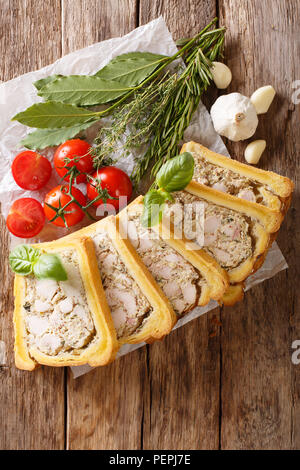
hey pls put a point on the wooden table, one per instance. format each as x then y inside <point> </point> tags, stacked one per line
<point>226,380</point>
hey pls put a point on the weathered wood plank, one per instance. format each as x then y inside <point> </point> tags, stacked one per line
<point>184,19</point>
<point>32,404</point>
<point>105,407</point>
<point>182,407</point>
<point>260,385</point>
<point>88,21</point>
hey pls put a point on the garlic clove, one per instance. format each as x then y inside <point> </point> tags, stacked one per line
<point>254,151</point>
<point>221,74</point>
<point>262,98</point>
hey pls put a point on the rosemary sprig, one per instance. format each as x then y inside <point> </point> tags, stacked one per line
<point>161,109</point>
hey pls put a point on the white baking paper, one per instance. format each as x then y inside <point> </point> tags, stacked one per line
<point>19,93</point>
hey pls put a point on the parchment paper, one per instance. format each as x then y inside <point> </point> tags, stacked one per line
<point>19,93</point>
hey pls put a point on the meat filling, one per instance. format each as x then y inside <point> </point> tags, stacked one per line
<point>179,280</point>
<point>129,307</point>
<point>224,234</point>
<point>225,180</point>
<point>57,316</point>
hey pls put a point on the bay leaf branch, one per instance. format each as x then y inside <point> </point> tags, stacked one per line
<point>83,90</point>
<point>132,68</point>
<point>54,115</point>
<point>42,138</point>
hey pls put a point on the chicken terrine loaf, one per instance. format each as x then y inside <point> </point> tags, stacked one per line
<point>238,179</point>
<point>235,235</point>
<point>187,277</point>
<point>65,323</point>
<point>139,309</point>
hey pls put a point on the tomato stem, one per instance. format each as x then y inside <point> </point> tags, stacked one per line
<point>72,173</point>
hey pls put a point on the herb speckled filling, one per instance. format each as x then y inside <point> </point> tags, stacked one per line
<point>57,317</point>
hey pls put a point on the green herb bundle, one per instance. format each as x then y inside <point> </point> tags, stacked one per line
<point>159,113</point>
<point>149,107</point>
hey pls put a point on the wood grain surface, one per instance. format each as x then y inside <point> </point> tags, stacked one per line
<point>205,386</point>
<point>32,411</point>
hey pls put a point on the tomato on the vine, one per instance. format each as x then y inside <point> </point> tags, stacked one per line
<point>74,152</point>
<point>58,198</point>
<point>26,218</point>
<point>110,181</point>
<point>31,170</point>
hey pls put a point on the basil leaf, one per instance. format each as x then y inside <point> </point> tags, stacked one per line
<point>42,138</point>
<point>44,81</point>
<point>49,266</point>
<point>83,90</point>
<point>53,115</point>
<point>154,202</point>
<point>132,68</point>
<point>22,259</point>
<point>176,173</point>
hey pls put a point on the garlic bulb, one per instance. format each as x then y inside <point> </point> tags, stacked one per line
<point>221,74</point>
<point>262,98</point>
<point>254,151</point>
<point>234,116</point>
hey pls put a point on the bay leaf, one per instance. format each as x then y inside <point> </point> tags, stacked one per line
<point>42,138</point>
<point>54,115</point>
<point>44,81</point>
<point>83,90</point>
<point>138,55</point>
<point>132,68</point>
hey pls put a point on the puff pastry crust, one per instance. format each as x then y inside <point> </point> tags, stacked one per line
<point>99,352</point>
<point>216,279</point>
<point>260,236</point>
<point>162,318</point>
<point>274,190</point>
<point>234,294</point>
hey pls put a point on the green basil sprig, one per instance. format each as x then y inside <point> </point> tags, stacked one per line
<point>154,202</point>
<point>25,260</point>
<point>174,175</point>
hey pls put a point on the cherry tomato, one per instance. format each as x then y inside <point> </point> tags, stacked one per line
<point>57,197</point>
<point>26,217</point>
<point>115,181</point>
<point>31,170</point>
<point>77,151</point>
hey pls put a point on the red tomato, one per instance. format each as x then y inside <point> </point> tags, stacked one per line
<point>77,151</point>
<point>26,217</point>
<point>115,181</point>
<point>57,197</point>
<point>31,170</point>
